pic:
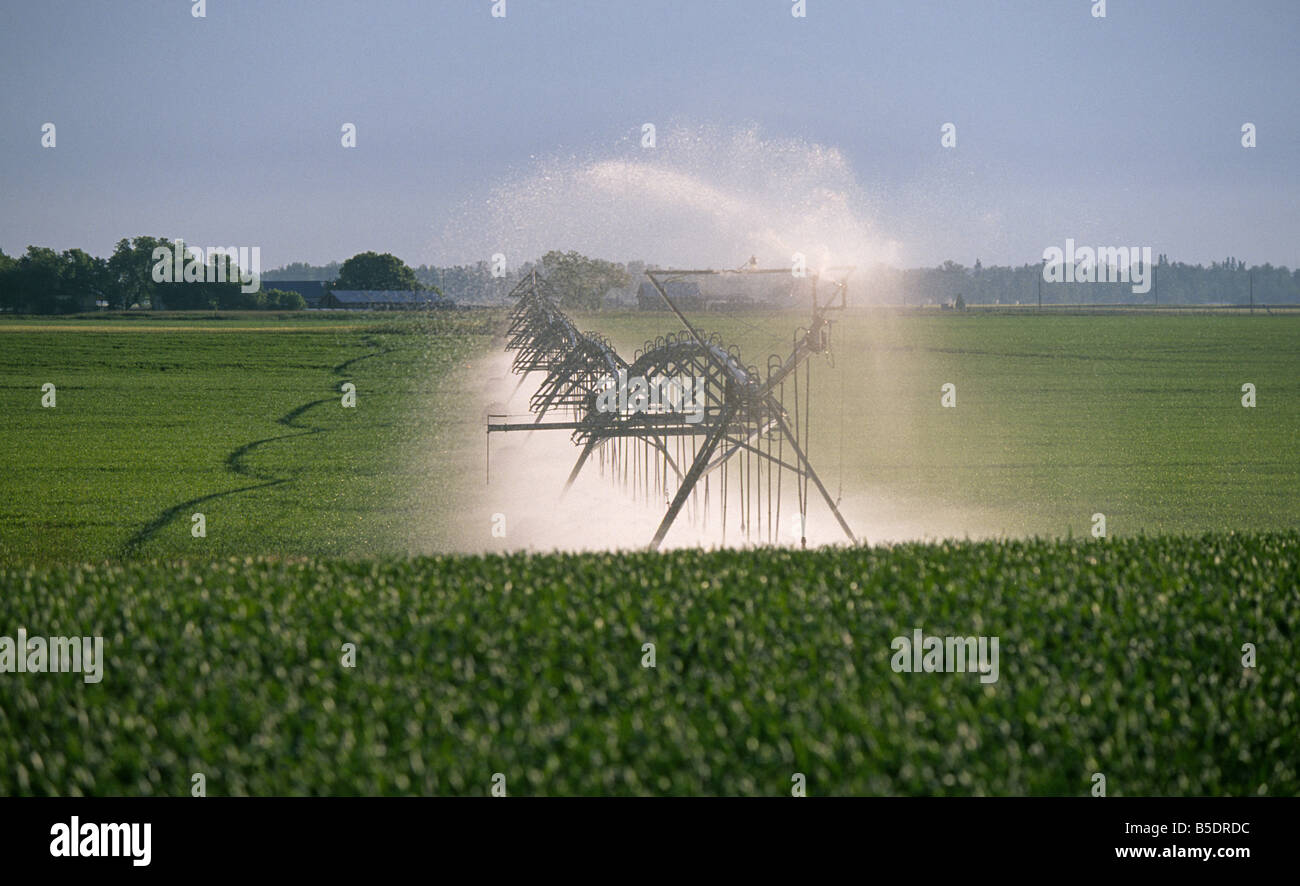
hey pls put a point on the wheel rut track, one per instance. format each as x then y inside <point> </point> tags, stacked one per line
<point>235,464</point>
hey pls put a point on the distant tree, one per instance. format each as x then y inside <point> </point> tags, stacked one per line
<point>180,295</point>
<point>282,300</point>
<point>303,271</point>
<point>960,303</point>
<point>225,286</point>
<point>8,282</point>
<point>46,282</point>
<point>372,270</point>
<point>40,281</point>
<point>582,282</point>
<point>86,279</point>
<point>131,271</point>
<point>231,298</point>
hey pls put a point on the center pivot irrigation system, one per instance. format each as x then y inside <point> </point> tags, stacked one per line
<point>731,447</point>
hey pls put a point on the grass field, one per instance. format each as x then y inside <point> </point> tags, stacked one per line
<point>1058,417</point>
<point>240,419</point>
<point>223,654</point>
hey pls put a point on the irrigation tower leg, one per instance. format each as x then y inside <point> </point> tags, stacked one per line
<point>582,460</point>
<point>807,466</point>
<point>693,475</point>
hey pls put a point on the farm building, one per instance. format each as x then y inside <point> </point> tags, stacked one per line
<point>736,292</point>
<point>685,293</point>
<point>384,300</point>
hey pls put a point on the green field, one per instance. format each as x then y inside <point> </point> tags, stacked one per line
<point>223,654</point>
<point>1057,418</point>
<point>1120,657</point>
<point>240,419</point>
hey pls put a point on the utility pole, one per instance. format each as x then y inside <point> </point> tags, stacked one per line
<point>1041,269</point>
<point>1250,275</point>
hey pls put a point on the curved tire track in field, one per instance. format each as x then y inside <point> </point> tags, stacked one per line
<point>234,459</point>
<point>134,543</point>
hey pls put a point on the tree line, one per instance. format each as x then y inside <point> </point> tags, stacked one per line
<point>1230,282</point>
<point>583,282</point>
<point>595,283</point>
<point>43,281</point>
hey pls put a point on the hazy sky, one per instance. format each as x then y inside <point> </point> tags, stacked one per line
<point>226,130</point>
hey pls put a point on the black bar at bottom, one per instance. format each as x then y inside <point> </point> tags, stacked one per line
<point>649,838</point>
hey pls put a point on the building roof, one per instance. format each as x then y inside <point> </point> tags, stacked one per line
<point>674,288</point>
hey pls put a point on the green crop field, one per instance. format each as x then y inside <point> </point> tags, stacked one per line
<point>1138,418</point>
<point>1058,418</point>
<point>1119,657</point>
<point>224,654</point>
<point>239,418</point>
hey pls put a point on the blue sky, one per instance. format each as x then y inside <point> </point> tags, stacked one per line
<point>226,130</point>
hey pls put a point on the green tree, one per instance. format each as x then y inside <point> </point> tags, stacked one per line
<point>86,279</point>
<point>302,271</point>
<point>179,295</point>
<point>46,282</point>
<point>131,271</point>
<point>230,297</point>
<point>372,270</point>
<point>40,281</point>
<point>8,282</point>
<point>283,300</point>
<point>582,282</point>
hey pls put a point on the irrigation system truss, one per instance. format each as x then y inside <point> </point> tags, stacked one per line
<point>729,457</point>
